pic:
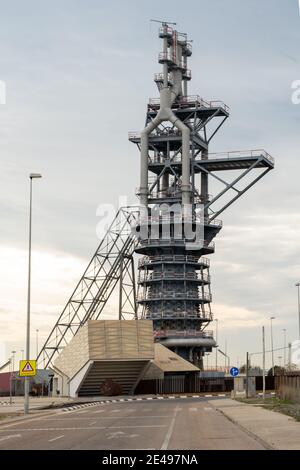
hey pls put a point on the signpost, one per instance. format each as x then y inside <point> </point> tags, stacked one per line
<point>27,368</point>
<point>234,371</point>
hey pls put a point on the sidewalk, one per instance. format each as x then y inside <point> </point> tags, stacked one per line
<point>278,431</point>
<point>17,405</point>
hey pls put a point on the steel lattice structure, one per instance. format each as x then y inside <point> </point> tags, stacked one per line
<point>111,264</point>
<point>176,168</point>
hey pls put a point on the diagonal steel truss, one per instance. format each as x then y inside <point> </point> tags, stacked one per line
<point>111,263</point>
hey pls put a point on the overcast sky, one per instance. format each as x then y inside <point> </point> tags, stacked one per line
<point>78,76</point>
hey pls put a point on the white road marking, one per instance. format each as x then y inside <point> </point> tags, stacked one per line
<point>192,409</point>
<point>93,422</point>
<point>115,411</point>
<point>5,438</point>
<point>208,409</point>
<point>99,411</point>
<point>208,396</point>
<point>56,438</point>
<point>115,435</point>
<point>183,396</point>
<point>149,398</point>
<point>160,398</point>
<point>196,396</point>
<point>172,397</point>
<point>170,431</point>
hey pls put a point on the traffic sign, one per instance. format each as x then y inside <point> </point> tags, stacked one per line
<point>234,371</point>
<point>27,368</point>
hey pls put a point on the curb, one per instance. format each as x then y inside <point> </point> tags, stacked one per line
<point>123,400</point>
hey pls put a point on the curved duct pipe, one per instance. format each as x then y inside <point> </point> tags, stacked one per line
<point>165,113</point>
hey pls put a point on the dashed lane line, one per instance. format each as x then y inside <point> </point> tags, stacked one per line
<point>56,438</point>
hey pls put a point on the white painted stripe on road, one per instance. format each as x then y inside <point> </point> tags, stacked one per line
<point>167,439</point>
<point>56,438</point>
<point>221,395</point>
<point>99,411</point>
<point>208,409</point>
<point>172,397</point>
<point>196,396</point>
<point>208,396</point>
<point>149,398</point>
<point>5,438</point>
<point>139,399</point>
<point>160,398</point>
<point>192,409</point>
<point>183,396</point>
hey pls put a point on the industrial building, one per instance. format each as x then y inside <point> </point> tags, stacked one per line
<point>171,232</point>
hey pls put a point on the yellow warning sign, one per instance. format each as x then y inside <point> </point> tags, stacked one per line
<point>27,368</point>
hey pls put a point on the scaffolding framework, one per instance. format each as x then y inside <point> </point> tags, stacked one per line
<point>111,264</point>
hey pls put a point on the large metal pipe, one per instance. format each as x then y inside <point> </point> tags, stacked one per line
<point>165,113</point>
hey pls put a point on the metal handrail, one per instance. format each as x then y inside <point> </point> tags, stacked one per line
<point>206,316</point>
<point>165,29</point>
<point>201,334</point>
<point>178,218</point>
<point>175,295</point>
<point>195,100</point>
<point>173,275</point>
<point>173,258</point>
<point>242,154</point>
<point>171,240</point>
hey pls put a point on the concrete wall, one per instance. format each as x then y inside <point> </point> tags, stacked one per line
<point>104,340</point>
<point>75,355</point>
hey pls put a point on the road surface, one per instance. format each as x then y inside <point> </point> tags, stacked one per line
<point>155,424</point>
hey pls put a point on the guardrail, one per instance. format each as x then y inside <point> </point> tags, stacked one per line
<point>201,334</point>
<point>175,296</point>
<point>171,241</point>
<point>179,218</point>
<point>173,275</point>
<point>242,154</point>
<point>194,100</point>
<point>204,262</point>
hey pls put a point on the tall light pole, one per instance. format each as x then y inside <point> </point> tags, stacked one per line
<point>22,354</point>
<point>264,362</point>
<point>298,287</point>
<point>27,353</point>
<point>37,342</point>
<point>272,347</point>
<point>284,347</point>
<point>217,323</point>
<point>12,373</point>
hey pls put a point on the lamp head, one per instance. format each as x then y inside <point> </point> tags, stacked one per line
<point>35,175</point>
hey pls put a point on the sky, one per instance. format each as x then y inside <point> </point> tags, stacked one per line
<point>78,76</point>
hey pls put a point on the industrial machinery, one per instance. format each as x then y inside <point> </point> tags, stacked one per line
<point>176,222</point>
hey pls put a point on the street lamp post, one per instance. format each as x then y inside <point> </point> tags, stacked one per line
<point>13,371</point>
<point>27,353</point>
<point>298,287</point>
<point>217,324</point>
<point>37,342</point>
<point>284,347</point>
<point>272,347</point>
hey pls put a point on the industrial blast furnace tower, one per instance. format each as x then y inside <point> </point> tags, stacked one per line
<point>174,226</point>
<point>174,280</point>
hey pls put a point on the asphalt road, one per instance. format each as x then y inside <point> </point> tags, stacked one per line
<point>157,424</point>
